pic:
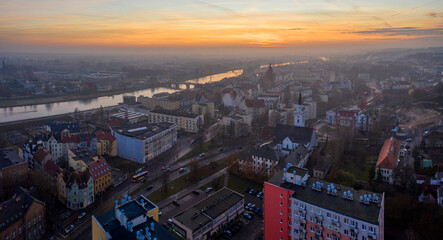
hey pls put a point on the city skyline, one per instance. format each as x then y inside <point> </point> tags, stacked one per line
<point>220,24</point>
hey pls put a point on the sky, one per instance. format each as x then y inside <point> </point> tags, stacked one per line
<point>169,24</point>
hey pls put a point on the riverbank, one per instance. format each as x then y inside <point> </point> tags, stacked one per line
<point>68,97</point>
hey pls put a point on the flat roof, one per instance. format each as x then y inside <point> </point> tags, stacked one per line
<point>143,130</point>
<point>175,113</point>
<point>352,208</point>
<point>208,209</point>
<point>132,209</point>
<point>117,231</point>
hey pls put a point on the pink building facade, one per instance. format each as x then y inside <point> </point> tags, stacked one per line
<point>297,206</point>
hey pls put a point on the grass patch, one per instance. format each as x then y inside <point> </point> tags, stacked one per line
<point>198,148</point>
<point>124,165</point>
<point>142,186</point>
<point>186,181</point>
<point>239,184</point>
<point>216,184</point>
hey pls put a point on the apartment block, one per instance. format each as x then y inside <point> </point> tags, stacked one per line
<point>297,206</point>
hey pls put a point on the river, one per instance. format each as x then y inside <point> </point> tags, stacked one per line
<point>10,114</point>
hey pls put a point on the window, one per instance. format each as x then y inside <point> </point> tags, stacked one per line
<point>371,229</point>
<point>20,230</point>
<point>328,236</point>
<point>311,229</point>
<point>281,213</point>
<point>281,204</point>
<point>281,229</point>
<point>363,227</point>
<point>345,232</point>
<point>328,215</point>
<point>281,221</point>
<point>346,221</point>
<point>39,217</point>
<point>281,195</point>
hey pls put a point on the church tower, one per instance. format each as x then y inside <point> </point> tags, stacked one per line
<point>299,118</point>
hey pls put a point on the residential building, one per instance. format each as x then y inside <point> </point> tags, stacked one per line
<point>270,100</point>
<point>347,119</point>
<point>297,206</point>
<point>56,128</point>
<point>51,171</point>
<point>388,159</point>
<point>287,138</point>
<point>322,167</point>
<point>204,219</point>
<point>298,157</point>
<point>41,157</point>
<point>106,144</point>
<point>55,147</point>
<point>131,219</point>
<point>252,107</point>
<point>205,109</point>
<point>261,161</point>
<point>188,122</point>
<point>23,216</point>
<point>236,125</point>
<point>101,173</point>
<point>143,142</point>
<point>75,188</point>
<point>13,170</point>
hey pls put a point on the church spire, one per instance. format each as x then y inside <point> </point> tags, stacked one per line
<point>299,99</point>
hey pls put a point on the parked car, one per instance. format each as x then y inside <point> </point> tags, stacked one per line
<point>149,187</point>
<point>181,170</point>
<point>229,233</point>
<point>252,207</point>
<point>208,190</point>
<point>258,210</point>
<point>169,221</point>
<point>248,216</point>
<point>196,192</point>
<point>175,202</point>
<point>81,215</point>
<point>202,154</point>
<point>220,149</point>
<point>69,229</point>
<point>160,213</point>
<point>251,191</point>
<point>259,194</point>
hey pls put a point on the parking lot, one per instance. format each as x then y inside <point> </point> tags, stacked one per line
<point>251,229</point>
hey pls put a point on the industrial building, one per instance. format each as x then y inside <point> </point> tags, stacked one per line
<point>206,218</point>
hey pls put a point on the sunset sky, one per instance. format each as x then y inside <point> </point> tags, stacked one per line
<point>224,23</point>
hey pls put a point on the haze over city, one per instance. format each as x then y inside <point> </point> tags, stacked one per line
<point>221,119</point>
<point>331,26</point>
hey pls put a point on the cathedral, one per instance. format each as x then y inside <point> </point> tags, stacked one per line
<point>268,80</point>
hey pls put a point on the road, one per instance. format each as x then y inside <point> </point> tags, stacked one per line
<point>83,228</point>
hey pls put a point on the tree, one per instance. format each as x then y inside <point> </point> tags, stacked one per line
<point>165,179</point>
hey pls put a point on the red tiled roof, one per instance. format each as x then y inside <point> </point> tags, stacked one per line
<point>40,155</point>
<point>105,136</point>
<point>51,168</point>
<point>99,168</point>
<point>71,139</point>
<point>389,154</point>
<point>255,103</point>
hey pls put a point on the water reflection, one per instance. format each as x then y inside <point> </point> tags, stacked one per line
<point>216,77</point>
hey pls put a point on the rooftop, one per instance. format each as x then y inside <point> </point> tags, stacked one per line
<point>15,208</point>
<point>143,130</point>
<point>389,154</point>
<point>352,208</point>
<point>323,164</point>
<point>8,157</point>
<point>111,225</point>
<point>132,209</point>
<point>175,113</point>
<point>99,168</point>
<point>301,135</point>
<point>208,209</point>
